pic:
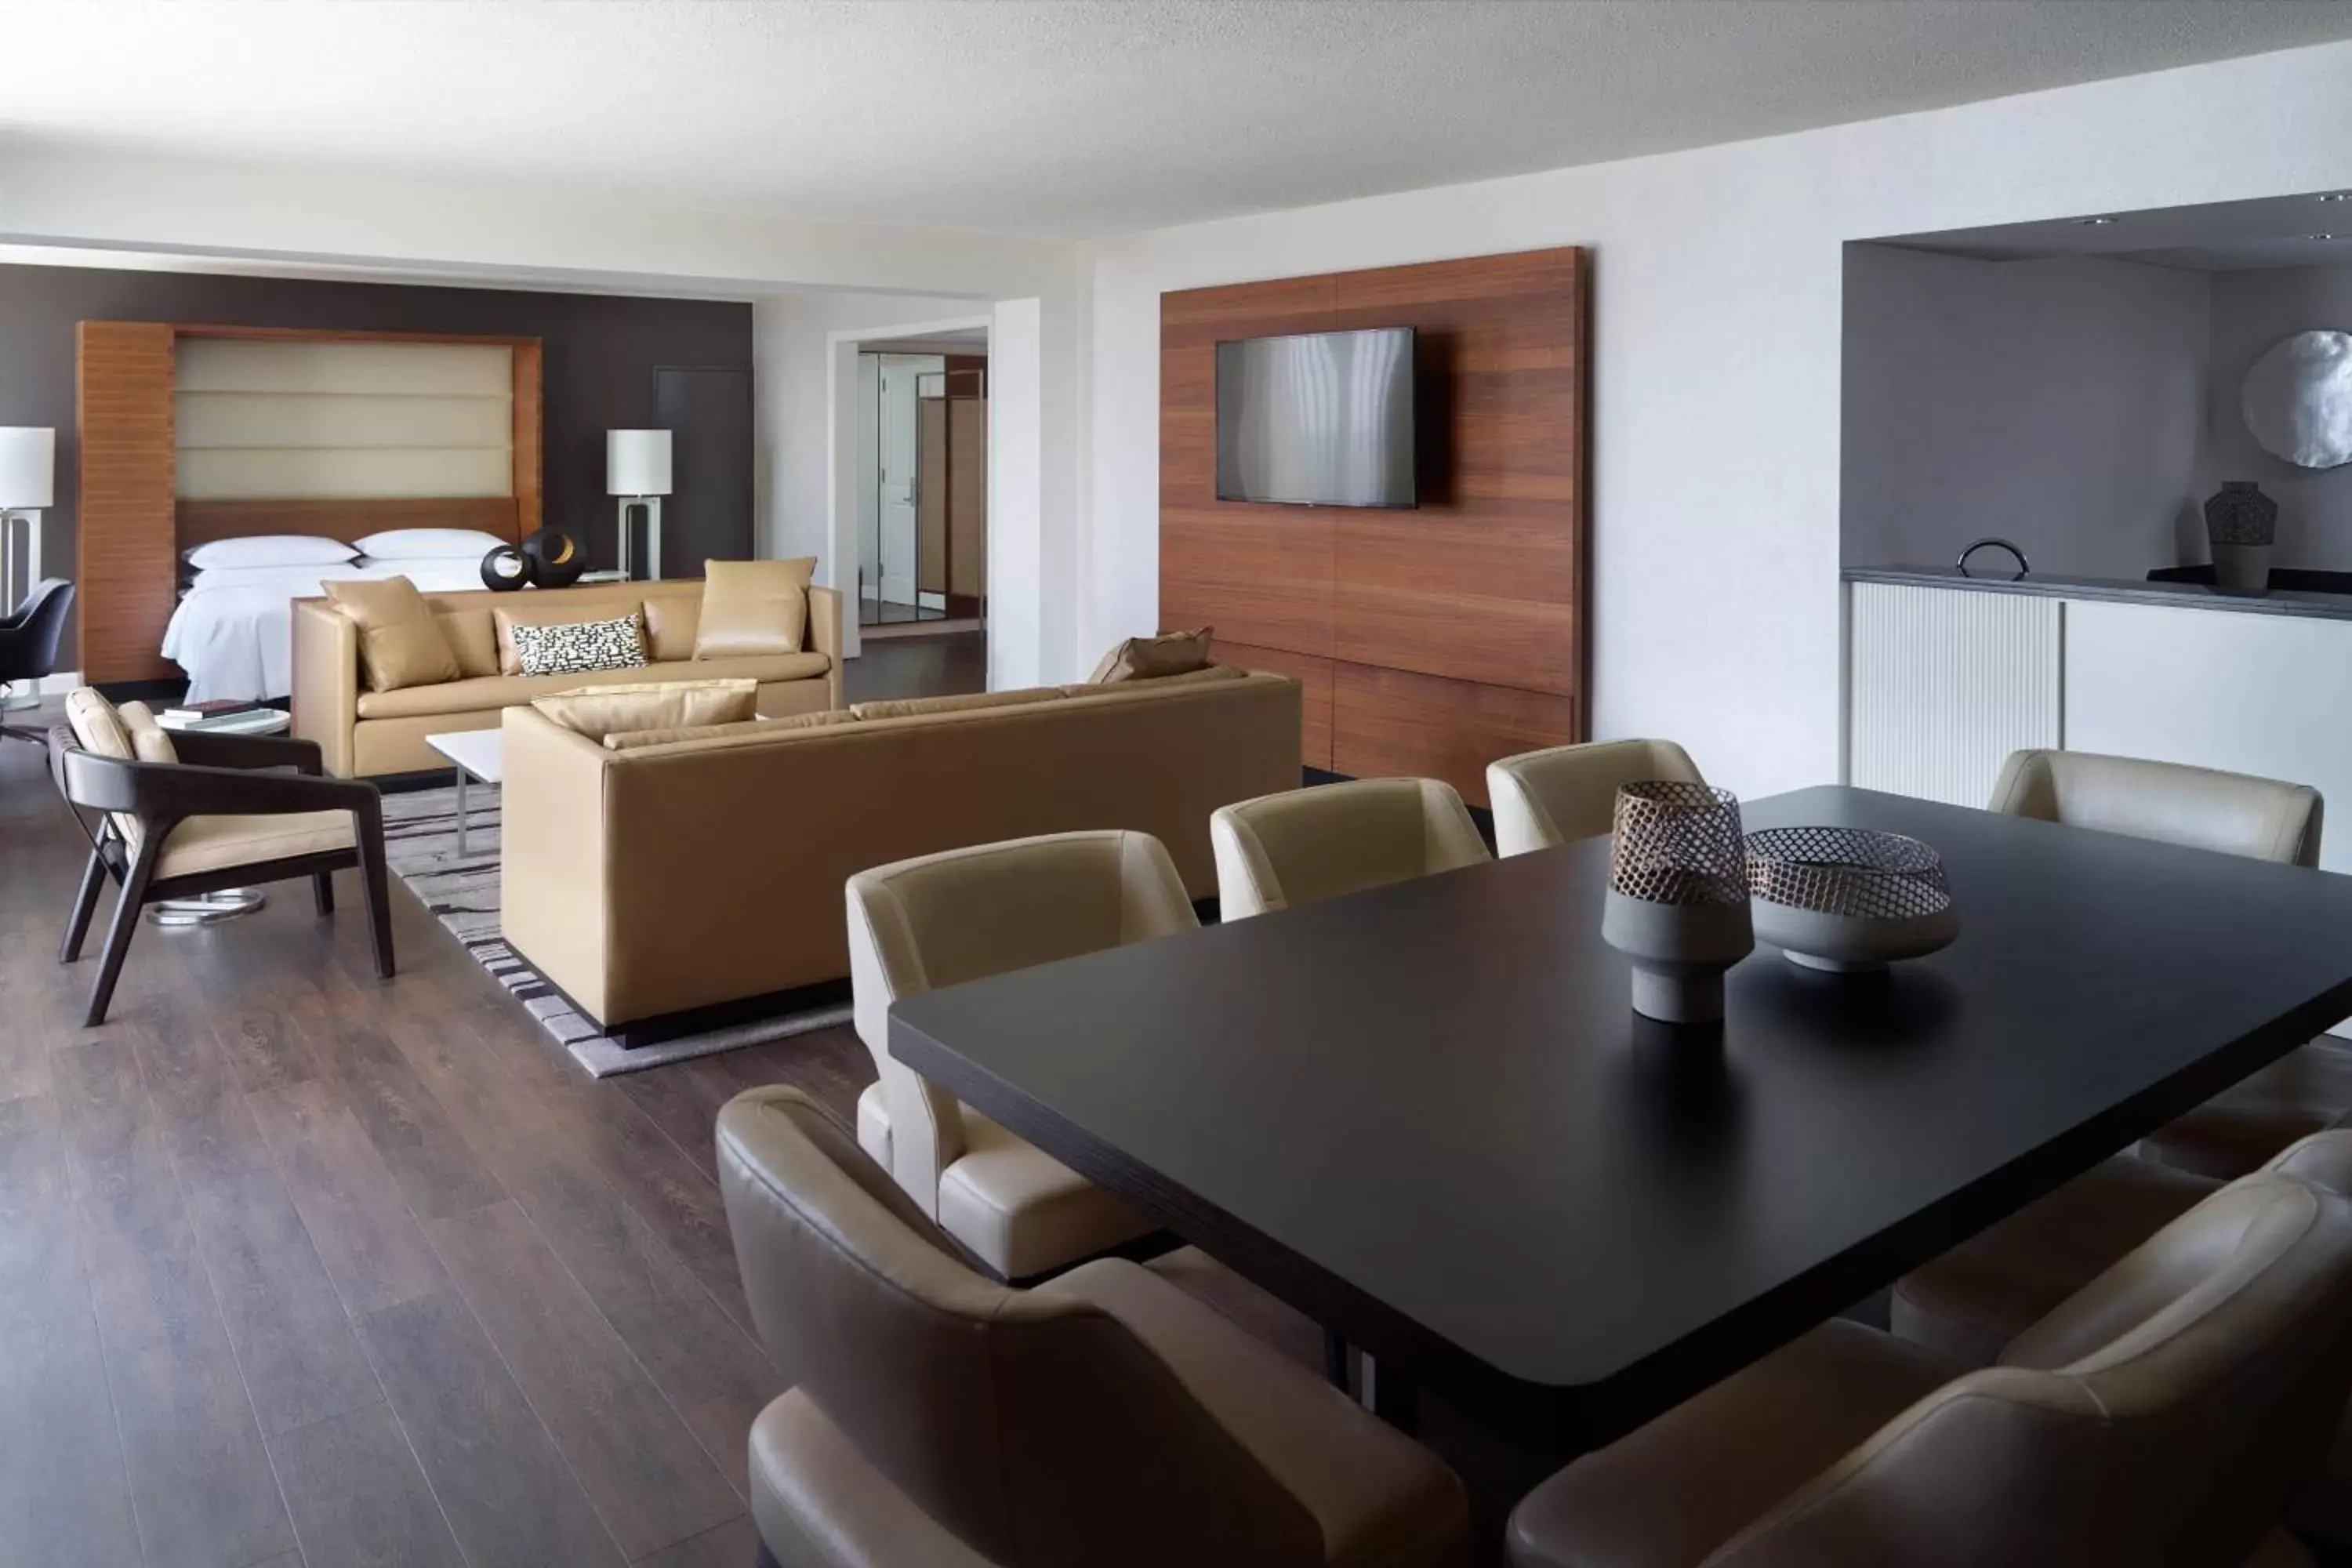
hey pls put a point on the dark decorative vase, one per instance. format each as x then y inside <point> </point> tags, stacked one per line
<point>1677,904</point>
<point>2243,523</point>
<point>556,558</point>
<point>506,569</point>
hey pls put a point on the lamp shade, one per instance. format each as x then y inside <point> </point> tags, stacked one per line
<point>636,462</point>
<point>29,466</point>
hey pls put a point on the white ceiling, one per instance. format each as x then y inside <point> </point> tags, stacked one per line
<point>1089,118</point>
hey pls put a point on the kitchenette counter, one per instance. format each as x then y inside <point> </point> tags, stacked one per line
<point>2299,599</point>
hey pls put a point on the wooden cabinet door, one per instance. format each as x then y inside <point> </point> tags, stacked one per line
<point>126,541</point>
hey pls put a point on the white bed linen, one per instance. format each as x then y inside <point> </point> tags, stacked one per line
<point>234,634</point>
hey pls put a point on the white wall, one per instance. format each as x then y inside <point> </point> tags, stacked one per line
<point>1717,324</point>
<point>2060,404</point>
<point>2253,310</point>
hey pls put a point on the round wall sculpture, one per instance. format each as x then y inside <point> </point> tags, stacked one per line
<point>2298,400</point>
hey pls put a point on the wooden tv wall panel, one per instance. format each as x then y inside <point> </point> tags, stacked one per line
<point>1433,640</point>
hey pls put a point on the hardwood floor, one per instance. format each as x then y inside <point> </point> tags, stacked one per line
<point>298,1266</point>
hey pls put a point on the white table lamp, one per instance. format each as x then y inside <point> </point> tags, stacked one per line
<point>636,470</point>
<point>28,477</point>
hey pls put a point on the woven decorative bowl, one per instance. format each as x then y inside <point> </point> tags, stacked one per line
<point>1848,899</point>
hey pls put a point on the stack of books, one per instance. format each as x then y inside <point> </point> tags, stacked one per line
<point>222,713</point>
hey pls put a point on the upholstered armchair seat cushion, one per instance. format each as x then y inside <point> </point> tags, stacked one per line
<point>1670,1493</point>
<point>1971,1303</point>
<point>1019,1209</point>
<point>2304,1091</point>
<point>216,843</point>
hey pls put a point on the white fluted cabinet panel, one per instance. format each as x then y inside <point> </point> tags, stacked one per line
<point>2243,692</point>
<point>1943,684</point>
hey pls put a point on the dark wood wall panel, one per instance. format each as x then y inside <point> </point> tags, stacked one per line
<point>1314,677</point>
<point>1389,721</point>
<point>126,575</point>
<point>1482,587</point>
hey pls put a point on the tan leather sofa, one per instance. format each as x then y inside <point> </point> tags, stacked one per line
<point>362,733</point>
<point>652,879</point>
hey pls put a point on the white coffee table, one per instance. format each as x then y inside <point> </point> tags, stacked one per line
<point>478,755</point>
<point>225,903</point>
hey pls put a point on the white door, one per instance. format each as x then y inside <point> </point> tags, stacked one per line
<point>900,464</point>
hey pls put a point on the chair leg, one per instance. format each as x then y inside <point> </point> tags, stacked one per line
<point>379,899</point>
<point>126,905</point>
<point>322,891</point>
<point>84,904</point>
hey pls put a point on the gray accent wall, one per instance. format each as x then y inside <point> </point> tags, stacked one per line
<point>2253,310</point>
<point>601,354</point>
<point>2060,403</point>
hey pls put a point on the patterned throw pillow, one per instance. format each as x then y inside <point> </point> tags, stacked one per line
<point>573,648</point>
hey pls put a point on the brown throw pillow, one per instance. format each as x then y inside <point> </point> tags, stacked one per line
<point>401,642</point>
<point>1145,659</point>
<point>599,711</point>
<point>753,607</point>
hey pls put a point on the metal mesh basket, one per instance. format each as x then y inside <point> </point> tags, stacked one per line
<point>1853,871</point>
<point>1678,843</point>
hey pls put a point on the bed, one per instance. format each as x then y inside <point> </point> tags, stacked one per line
<point>233,628</point>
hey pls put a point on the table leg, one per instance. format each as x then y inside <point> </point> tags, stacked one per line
<point>461,812</point>
<point>1390,1394</point>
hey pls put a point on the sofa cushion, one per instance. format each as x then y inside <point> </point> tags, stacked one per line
<point>1144,658</point>
<point>400,640</point>
<point>577,648</point>
<point>753,607</point>
<point>539,608</point>
<point>638,740</point>
<point>497,692</point>
<point>671,620</point>
<point>600,712</point>
<point>473,638</point>
<point>915,707</point>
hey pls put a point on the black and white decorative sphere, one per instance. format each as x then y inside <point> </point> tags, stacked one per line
<point>556,558</point>
<point>506,569</point>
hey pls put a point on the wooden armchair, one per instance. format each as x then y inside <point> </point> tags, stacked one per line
<point>232,810</point>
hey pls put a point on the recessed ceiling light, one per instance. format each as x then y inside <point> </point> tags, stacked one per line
<point>2335,196</point>
<point>2319,236</point>
<point>2094,222</point>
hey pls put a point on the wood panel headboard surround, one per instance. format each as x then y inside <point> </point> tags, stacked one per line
<point>1430,641</point>
<point>132,523</point>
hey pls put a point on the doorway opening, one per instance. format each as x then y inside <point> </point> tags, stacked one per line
<point>922,484</point>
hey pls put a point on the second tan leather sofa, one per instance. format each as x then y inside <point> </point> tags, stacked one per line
<point>652,879</point>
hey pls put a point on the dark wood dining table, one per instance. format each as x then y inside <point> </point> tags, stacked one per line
<point>1426,1115</point>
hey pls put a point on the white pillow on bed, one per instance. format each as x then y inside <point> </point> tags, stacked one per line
<point>429,544</point>
<point>271,549</point>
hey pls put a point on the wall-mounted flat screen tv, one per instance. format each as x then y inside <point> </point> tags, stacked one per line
<point>1321,419</point>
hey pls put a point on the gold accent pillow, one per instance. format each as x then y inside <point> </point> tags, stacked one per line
<point>600,712</point>
<point>474,638</point>
<point>1146,659</point>
<point>401,642</point>
<point>671,620</point>
<point>753,607</point>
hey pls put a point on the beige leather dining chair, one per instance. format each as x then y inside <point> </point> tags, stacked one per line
<point>2164,1416</point>
<point>1302,844</point>
<point>937,1419</point>
<point>941,920</point>
<point>1562,793</point>
<point>2233,813</point>
<point>1971,1303</point>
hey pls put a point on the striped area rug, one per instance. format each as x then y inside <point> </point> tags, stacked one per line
<point>420,834</point>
